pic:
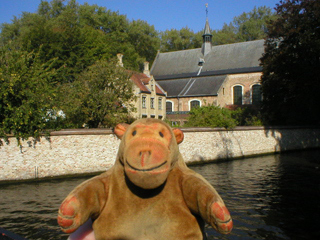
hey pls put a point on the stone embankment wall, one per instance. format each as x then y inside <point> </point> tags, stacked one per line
<point>70,152</point>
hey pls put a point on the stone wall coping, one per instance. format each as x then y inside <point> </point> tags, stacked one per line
<point>108,131</point>
<point>244,128</point>
<point>91,131</point>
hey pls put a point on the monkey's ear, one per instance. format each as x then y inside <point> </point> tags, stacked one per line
<point>120,129</point>
<point>178,134</point>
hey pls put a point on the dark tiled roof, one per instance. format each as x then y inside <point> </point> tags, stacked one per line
<point>159,90</point>
<point>224,59</point>
<point>199,86</point>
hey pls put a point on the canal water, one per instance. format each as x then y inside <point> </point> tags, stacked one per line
<point>269,197</point>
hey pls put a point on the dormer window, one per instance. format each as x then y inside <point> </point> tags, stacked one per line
<point>201,62</point>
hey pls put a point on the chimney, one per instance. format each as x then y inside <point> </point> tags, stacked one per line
<point>119,56</point>
<point>146,68</point>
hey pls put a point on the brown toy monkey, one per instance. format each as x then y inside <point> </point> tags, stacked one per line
<point>149,193</point>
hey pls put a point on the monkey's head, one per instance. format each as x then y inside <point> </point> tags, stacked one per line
<point>148,150</point>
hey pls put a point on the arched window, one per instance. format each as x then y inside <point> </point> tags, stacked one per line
<point>237,95</point>
<point>256,94</point>
<point>194,104</point>
<point>169,106</point>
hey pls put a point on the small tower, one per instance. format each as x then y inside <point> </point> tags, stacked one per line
<point>207,37</point>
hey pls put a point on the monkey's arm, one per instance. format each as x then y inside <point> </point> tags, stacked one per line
<point>204,200</point>
<point>84,202</point>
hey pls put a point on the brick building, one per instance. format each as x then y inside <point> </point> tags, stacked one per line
<point>224,75</point>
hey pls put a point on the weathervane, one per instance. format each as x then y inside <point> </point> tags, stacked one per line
<point>207,9</point>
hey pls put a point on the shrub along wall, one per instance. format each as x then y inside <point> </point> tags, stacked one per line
<point>84,151</point>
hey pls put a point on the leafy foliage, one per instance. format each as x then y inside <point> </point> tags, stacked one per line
<point>101,96</point>
<point>290,81</point>
<point>25,93</point>
<point>211,116</point>
<point>60,59</point>
<point>214,116</point>
<point>173,40</point>
<point>144,38</point>
<point>246,27</point>
<point>248,116</point>
<point>79,35</point>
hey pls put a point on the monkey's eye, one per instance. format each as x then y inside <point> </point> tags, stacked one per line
<point>161,134</point>
<point>134,133</point>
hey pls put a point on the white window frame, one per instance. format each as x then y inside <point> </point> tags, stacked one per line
<point>171,103</point>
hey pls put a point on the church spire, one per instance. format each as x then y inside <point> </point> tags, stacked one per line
<point>207,36</point>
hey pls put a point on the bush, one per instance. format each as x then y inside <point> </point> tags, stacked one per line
<point>247,116</point>
<point>211,116</point>
<point>214,116</point>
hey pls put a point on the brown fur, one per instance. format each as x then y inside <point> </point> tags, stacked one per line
<point>149,193</point>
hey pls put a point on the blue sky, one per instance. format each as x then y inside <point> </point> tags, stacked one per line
<point>163,14</point>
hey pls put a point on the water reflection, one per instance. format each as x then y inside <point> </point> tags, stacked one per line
<point>270,197</point>
<point>30,209</point>
<point>246,187</point>
<point>299,191</point>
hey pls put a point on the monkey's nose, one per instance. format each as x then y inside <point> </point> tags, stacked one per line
<point>144,152</point>
<point>144,155</point>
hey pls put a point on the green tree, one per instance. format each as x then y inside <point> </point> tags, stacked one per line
<point>253,25</point>
<point>246,27</point>
<point>225,36</point>
<point>78,35</point>
<point>144,38</point>
<point>101,97</point>
<point>290,81</point>
<point>174,40</point>
<point>55,32</point>
<point>26,93</point>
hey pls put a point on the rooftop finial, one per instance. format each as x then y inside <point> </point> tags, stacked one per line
<point>207,10</point>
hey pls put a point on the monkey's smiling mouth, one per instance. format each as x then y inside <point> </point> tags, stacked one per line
<point>148,169</point>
